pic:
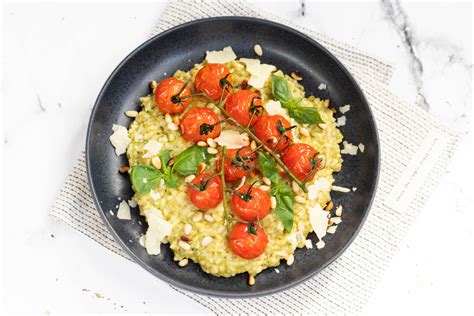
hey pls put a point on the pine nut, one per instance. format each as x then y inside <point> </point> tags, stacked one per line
<point>189,178</point>
<point>212,151</point>
<point>339,211</point>
<point>156,162</point>
<point>274,202</point>
<point>304,131</point>
<point>168,118</point>
<point>188,228</point>
<point>241,183</point>
<point>206,241</point>
<point>266,181</point>
<point>131,113</point>
<point>300,199</point>
<point>202,143</point>
<point>251,280</point>
<point>258,50</point>
<point>322,125</point>
<point>124,169</point>
<point>209,218</point>
<point>264,188</point>
<point>296,76</point>
<point>183,263</point>
<point>153,84</point>
<point>295,186</point>
<point>184,245</point>
<point>211,142</point>
<point>290,260</point>
<point>329,206</point>
<point>253,145</point>
<point>197,217</point>
<point>185,238</point>
<point>176,120</point>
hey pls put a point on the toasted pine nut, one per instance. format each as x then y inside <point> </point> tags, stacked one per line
<point>185,238</point>
<point>201,167</point>
<point>183,263</point>
<point>329,206</point>
<point>124,169</point>
<point>273,200</point>
<point>304,131</point>
<point>295,186</point>
<point>212,151</point>
<point>264,188</point>
<point>153,84</point>
<point>211,142</point>
<point>295,75</point>
<point>258,50</point>
<point>300,199</point>
<point>290,260</point>
<point>202,143</point>
<point>188,228</point>
<point>197,217</point>
<point>251,280</point>
<point>131,113</point>
<point>189,178</point>
<point>184,245</point>
<point>206,240</point>
<point>209,218</point>
<point>168,118</point>
<point>339,211</point>
<point>266,181</point>
<point>253,145</point>
<point>241,183</point>
<point>156,162</point>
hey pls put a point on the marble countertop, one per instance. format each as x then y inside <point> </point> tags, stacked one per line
<point>53,68</point>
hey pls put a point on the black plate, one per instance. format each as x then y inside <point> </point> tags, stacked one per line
<point>180,48</point>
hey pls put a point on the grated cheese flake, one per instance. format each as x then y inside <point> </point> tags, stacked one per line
<point>349,148</point>
<point>345,108</point>
<point>322,86</point>
<point>341,121</point>
<point>361,147</point>
<point>259,73</point>
<point>124,211</point>
<point>119,139</point>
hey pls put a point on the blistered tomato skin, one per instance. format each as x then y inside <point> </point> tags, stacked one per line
<point>245,243</point>
<point>167,93</point>
<point>205,191</point>
<point>209,80</point>
<point>241,104</point>
<point>238,163</point>
<point>251,204</point>
<point>199,124</point>
<point>302,160</point>
<point>267,130</point>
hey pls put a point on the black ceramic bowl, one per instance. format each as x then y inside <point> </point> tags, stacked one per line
<point>180,48</point>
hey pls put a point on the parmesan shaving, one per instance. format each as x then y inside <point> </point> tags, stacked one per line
<point>274,108</point>
<point>361,147</point>
<point>157,230</point>
<point>221,56</point>
<point>124,211</point>
<point>153,147</point>
<point>119,139</point>
<point>341,121</point>
<point>232,139</point>
<point>321,185</point>
<point>318,219</point>
<point>259,73</point>
<point>349,148</point>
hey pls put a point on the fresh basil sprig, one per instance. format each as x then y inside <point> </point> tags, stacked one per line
<point>280,190</point>
<point>282,93</point>
<point>145,178</point>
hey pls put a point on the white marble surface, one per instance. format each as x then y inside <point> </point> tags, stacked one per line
<point>59,55</point>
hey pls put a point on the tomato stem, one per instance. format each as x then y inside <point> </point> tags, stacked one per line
<point>224,197</point>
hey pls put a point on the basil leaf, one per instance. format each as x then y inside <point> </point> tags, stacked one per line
<point>284,209</point>
<point>267,165</point>
<point>281,91</point>
<point>165,158</point>
<point>171,181</point>
<point>145,178</point>
<point>305,115</point>
<point>186,162</point>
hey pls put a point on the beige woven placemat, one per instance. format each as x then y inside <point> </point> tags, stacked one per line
<point>415,150</point>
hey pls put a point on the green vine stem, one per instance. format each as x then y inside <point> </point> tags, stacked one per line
<point>224,197</point>
<point>260,143</point>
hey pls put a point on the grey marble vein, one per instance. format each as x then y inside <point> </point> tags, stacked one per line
<point>399,19</point>
<point>40,104</point>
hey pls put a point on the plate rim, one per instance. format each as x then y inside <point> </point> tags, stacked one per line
<point>196,289</point>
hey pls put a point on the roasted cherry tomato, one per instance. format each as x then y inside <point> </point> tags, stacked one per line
<point>211,79</point>
<point>251,204</point>
<point>205,191</point>
<point>247,240</point>
<point>200,124</point>
<point>270,128</point>
<point>302,160</point>
<point>238,163</point>
<point>172,95</point>
<point>243,105</point>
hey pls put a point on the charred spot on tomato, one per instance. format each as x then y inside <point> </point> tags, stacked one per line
<point>244,84</point>
<point>251,228</point>
<point>224,83</point>
<point>254,108</point>
<point>243,162</point>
